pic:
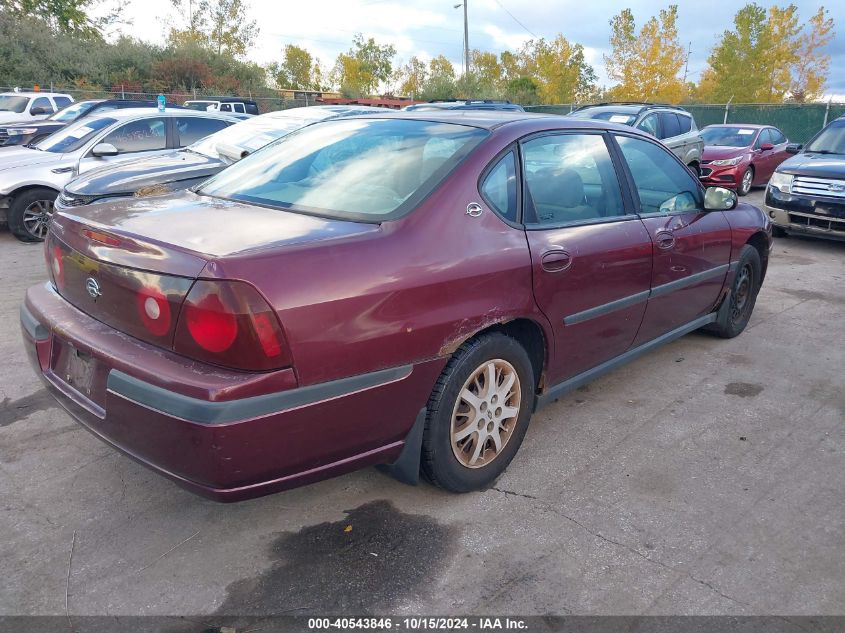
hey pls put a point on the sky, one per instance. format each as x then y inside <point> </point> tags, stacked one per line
<point>427,28</point>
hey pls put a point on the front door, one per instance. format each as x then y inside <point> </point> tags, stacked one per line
<point>591,261</point>
<point>134,139</point>
<point>692,247</point>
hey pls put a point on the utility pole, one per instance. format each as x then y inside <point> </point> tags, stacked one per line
<point>466,38</point>
<point>686,64</point>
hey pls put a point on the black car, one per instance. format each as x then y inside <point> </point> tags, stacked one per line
<point>806,194</point>
<point>466,104</point>
<point>28,133</point>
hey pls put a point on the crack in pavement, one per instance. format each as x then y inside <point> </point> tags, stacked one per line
<point>512,493</point>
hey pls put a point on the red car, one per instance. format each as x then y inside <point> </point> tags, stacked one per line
<point>740,156</point>
<point>399,289</point>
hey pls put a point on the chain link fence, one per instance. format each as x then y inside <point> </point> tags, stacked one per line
<point>798,121</point>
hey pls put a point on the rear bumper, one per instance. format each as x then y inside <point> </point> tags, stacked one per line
<point>820,217</point>
<point>179,418</point>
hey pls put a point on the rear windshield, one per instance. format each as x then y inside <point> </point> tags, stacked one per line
<point>830,140</point>
<point>360,169</point>
<point>73,111</point>
<point>606,114</point>
<point>74,136</point>
<point>729,136</point>
<point>248,135</point>
<point>11,103</point>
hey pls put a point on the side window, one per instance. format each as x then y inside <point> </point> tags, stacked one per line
<point>649,125</point>
<point>239,107</point>
<point>669,124</point>
<point>61,102</point>
<point>499,187</point>
<point>139,136</point>
<point>763,137</point>
<point>776,136</point>
<point>225,107</point>
<point>662,183</point>
<point>569,178</point>
<point>42,102</point>
<point>685,122</point>
<point>193,128</point>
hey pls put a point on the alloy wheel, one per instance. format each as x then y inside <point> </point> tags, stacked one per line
<point>486,413</point>
<point>746,181</point>
<point>36,218</point>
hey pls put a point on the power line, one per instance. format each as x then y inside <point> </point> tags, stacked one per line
<point>513,17</point>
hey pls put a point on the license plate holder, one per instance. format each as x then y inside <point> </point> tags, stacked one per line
<point>79,371</point>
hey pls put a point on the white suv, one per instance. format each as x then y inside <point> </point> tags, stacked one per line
<point>21,107</point>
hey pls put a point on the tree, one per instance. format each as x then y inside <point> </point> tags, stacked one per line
<point>559,69</point>
<point>364,67</point>
<point>194,19</point>
<point>441,80</point>
<point>69,17</point>
<point>296,70</point>
<point>230,30</point>
<point>810,71</point>
<point>411,77</point>
<point>768,57</point>
<point>646,64</point>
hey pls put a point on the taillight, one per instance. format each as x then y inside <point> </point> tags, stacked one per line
<point>154,310</point>
<point>229,323</point>
<point>56,265</point>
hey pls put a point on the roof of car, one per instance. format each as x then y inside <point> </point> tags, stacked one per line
<point>34,94</point>
<point>631,107</point>
<point>127,113</point>
<point>492,119</point>
<point>752,126</point>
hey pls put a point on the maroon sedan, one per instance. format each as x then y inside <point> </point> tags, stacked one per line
<point>741,156</point>
<point>402,289</point>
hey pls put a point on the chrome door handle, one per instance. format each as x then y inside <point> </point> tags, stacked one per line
<point>664,240</point>
<point>555,261</point>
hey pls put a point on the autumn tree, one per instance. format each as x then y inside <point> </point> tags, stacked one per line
<point>411,77</point>
<point>768,56</point>
<point>646,64</point>
<point>82,18</point>
<point>230,29</point>
<point>440,83</point>
<point>559,69</point>
<point>296,70</point>
<point>191,23</point>
<point>364,67</point>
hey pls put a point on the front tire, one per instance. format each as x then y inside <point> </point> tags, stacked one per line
<point>478,413</point>
<point>30,214</point>
<point>736,311</point>
<point>745,182</point>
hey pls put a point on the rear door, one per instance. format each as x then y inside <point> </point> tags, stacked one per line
<point>692,247</point>
<point>190,129</point>
<point>591,259</point>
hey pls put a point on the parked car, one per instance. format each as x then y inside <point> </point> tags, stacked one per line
<point>224,104</point>
<point>466,104</point>
<point>31,177</point>
<point>740,156</point>
<point>191,165</point>
<point>806,194</point>
<point>400,289</point>
<point>26,133</point>
<point>16,107</point>
<point>674,126</point>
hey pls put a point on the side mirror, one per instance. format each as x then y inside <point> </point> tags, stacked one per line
<point>104,149</point>
<point>794,148</point>
<point>719,199</point>
<point>766,147</point>
<point>38,110</point>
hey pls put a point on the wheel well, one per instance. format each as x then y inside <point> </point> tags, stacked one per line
<point>761,242</point>
<point>530,336</point>
<point>24,189</point>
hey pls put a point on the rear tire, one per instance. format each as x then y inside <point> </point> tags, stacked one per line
<point>476,424</point>
<point>694,167</point>
<point>736,310</point>
<point>30,214</point>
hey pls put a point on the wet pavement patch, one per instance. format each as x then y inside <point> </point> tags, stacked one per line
<point>743,389</point>
<point>368,562</point>
<point>12,411</point>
